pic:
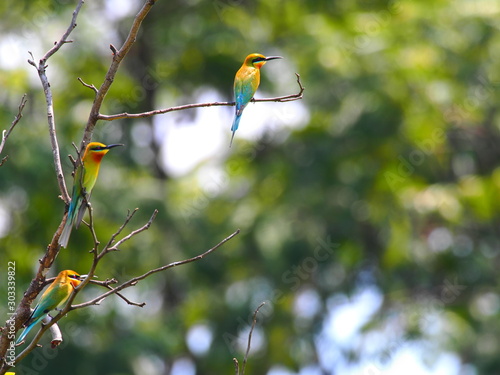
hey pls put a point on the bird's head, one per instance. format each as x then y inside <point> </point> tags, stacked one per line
<point>257,60</point>
<point>71,277</point>
<point>97,150</point>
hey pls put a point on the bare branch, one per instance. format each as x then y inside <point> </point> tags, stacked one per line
<point>282,99</point>
<point>118,56</point>
<point>135,280</point>
<point>41,67</point>
<point>6,133</point>
<point>142,304</point>
<point>250,338</point>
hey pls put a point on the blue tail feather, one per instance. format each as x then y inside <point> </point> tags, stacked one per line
<point>234,127</point>
<point>28,329</point>
<point>64,238</point>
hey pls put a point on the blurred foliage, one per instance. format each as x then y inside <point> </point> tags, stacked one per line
<point>390,187</point>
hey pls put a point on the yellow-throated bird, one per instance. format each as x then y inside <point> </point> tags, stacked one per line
<point>56,295</point>
<point>85,178</point>
<point>246,82</point>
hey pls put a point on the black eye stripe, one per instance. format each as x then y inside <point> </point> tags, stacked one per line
<point>257,59</point>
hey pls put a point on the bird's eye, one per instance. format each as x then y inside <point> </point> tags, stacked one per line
<point>97,148</point>
<point>74,276</point>
<point>257,59</point>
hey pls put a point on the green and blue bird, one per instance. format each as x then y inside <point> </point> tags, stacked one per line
<point>246,82</point>
<point>84,181</point>
<point>55,296</point>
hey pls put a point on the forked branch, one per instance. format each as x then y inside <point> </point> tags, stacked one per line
<point>136,279</point>
<point>118,56</point>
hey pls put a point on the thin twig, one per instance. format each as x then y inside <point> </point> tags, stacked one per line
<point>92,87</point>
<point>90,224</point>
<point>286,98</point>
<point>73,160</point>
<point>250,338</point>
<point>6,133</point>
<point>142,304</point>
<point>65,36</point>
<point>135,280</point>
<point>76,149</point>
<point>127,220</point>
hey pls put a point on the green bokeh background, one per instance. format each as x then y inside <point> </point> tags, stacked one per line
<point>395,173</point>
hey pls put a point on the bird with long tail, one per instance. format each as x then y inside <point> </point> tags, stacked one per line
<point>246,82</point>
<point>84,181</point>
<point>55,296</point>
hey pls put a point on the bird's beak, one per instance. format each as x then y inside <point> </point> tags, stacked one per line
<point>273,58</point>
<point>115,145</point>
<point>83,277</point>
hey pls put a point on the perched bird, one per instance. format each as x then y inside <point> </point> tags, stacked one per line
<point>246,82</point>
<point>56,295</point>
<point>85,178</point>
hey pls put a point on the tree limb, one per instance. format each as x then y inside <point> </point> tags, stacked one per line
<point>281,99</point>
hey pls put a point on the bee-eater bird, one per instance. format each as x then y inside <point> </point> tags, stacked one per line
<point>84,181</point>
<point>246,82</point>
<point>56,295</point>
